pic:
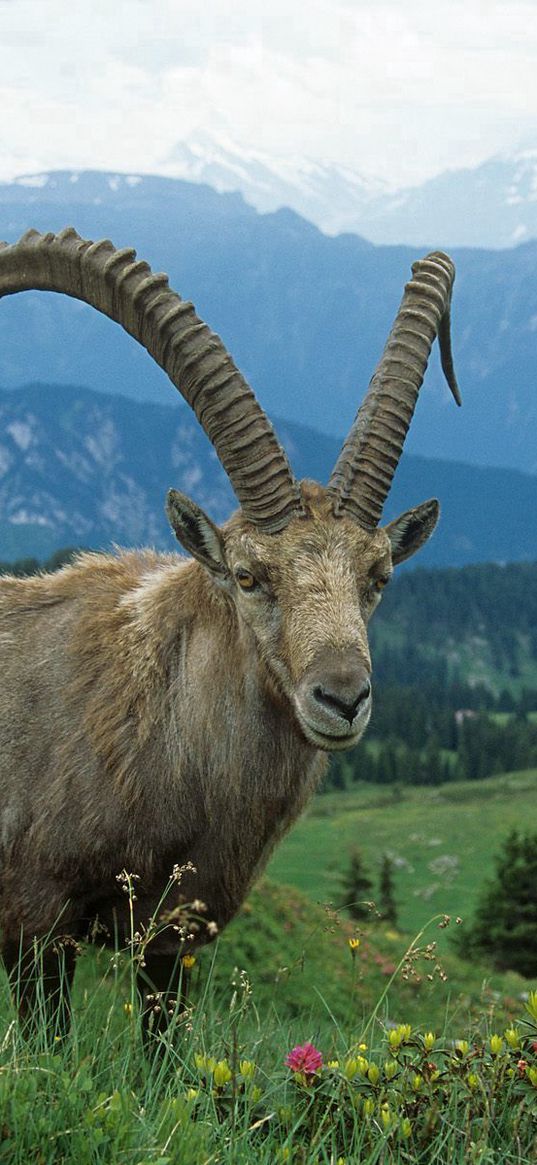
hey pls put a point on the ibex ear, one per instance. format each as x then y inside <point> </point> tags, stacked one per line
<point>408,532</point>
<point>195,531</point>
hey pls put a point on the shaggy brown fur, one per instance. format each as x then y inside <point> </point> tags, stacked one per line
<point>155,712</point>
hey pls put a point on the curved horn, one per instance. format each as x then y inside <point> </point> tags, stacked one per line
<point>194,358</point>
<point>363,473</point>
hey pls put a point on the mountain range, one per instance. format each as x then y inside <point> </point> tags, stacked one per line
<point>305,316</point>
<point>80,468</point>
<point>492,205</point>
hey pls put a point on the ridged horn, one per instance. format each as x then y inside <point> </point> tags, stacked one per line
<point>363,473</point>
<point>195,359</point>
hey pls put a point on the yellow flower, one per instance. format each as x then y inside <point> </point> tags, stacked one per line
<point>394,1038</point>
<point>417,1081</point>
<point>512,1036</point>
<point>531,1074</point>
<point>531,1005</point>
<point>363,1065</point>
<point>496,1045</point>
<point>390,1069</point>
<point>462,1047</point>
<point>369,1106</point>
<point>362,1047</point>
<point>192,1094</point>
<point>352,1066</point>
<point>247,1069</point>
<point>406,1128</point>
<point>127,1008</point>
<point>333,1064</point>
<point>406,1031</point>
<point>373,1074</point>
<point>200,1062</point>
<point>429,1041</point>
<point>386,1115</point>
<point>188,961</point>
<point>354,943</point>
<point>473,1080</point>
<point>221,1073</point>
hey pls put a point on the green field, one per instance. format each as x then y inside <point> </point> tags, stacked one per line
<point>442,840</point>
<point>283,974</point>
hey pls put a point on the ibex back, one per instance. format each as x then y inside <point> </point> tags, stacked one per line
<point>157,712</point>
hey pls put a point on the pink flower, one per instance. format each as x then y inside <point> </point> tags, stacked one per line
<point>304,1058</point>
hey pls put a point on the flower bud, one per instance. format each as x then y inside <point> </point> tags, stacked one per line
<point>512,1035</point>
<point>221,1074</point>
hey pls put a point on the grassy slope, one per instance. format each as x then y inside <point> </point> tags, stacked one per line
<point>461,823</point>
<point>96,1100</point>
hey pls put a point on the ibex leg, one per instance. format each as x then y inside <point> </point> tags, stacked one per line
<point>41,978</point>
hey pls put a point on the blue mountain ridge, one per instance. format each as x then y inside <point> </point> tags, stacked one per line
<point>81,468</point>
<point>305,316</point>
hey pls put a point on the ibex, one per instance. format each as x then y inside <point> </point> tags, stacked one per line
<point>158,712</point>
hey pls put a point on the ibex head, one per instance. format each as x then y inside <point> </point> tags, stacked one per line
<point>303,564</point>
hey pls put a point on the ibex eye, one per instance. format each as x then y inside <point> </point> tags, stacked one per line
<point>246,580</point>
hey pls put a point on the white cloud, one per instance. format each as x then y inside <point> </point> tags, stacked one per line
<point>398,90</point>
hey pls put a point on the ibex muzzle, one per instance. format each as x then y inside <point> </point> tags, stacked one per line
<point>334,698</point>
<point>180,711</point>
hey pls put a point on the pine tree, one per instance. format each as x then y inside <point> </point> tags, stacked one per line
<point>387,903</point>
<point>356,886</point>
<point>505,924</point>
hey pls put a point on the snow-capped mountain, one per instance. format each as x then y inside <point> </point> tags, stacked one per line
<point>332,197</point>
<point>491,205</point>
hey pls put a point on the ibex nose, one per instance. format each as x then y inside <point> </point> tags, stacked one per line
<point>336,695</point>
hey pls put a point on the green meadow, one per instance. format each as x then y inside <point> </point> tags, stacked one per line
<point>441,839</point>
<point>426,1058</point>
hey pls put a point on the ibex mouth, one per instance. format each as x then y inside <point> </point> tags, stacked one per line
<point>329,743</point>
<point>332,741</point>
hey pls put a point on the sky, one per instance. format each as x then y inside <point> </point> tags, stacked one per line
<point>392,90</point>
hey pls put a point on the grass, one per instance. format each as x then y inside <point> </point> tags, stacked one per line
<point>285,974</point>
<point>389,1090</point>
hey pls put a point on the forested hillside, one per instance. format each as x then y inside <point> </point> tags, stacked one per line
<point>455,678</point>
<point>478,624</point>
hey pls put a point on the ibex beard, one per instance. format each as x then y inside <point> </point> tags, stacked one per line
<point>158,713</point>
